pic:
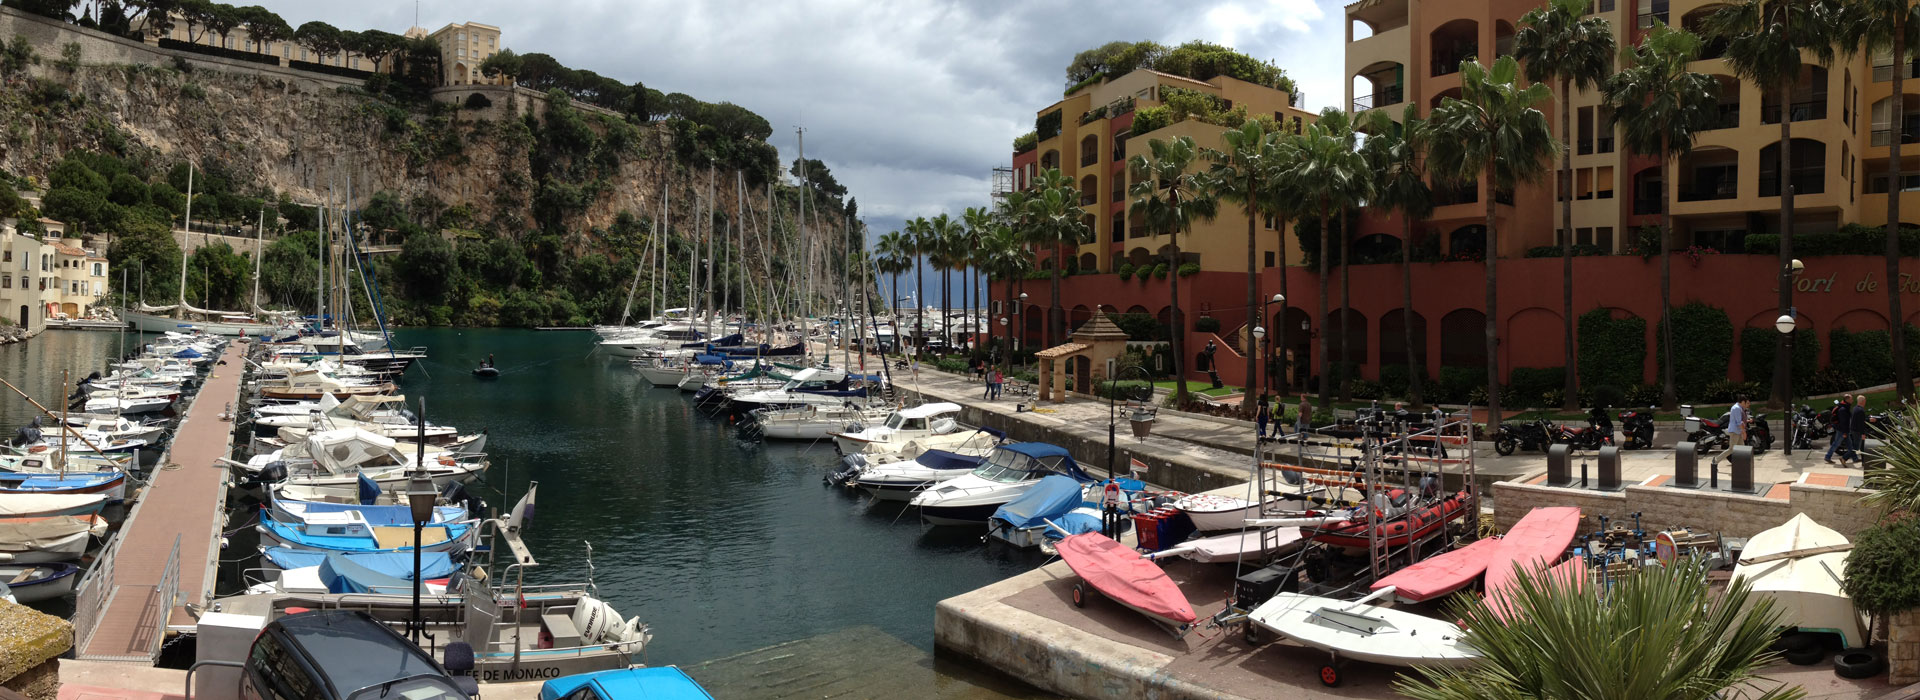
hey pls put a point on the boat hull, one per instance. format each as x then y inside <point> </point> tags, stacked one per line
<point>38,582</point>
<point>160,324</point>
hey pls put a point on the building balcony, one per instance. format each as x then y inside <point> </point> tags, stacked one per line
<point>1088,199</point>
<point>1444,195</point>
<point>1448,63</point>
<point>1884,73</point>
<point>1910,134</point>
<point>1646,205</point>
<point>1707,191</point>
<point>1804,182</point>
<point>1726,117</point>
<point>1391,95</point>
<point>1802,111</point>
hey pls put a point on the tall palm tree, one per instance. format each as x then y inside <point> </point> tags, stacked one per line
<point>1054,222</point>
<point>1012,212</point>
<point>1397,158</point>
<point>1493,130</point>
<point>1006,256</point>
<point>1661,633</point>
<point>1284,203</point>
<point>1169,199</point>
<point>1892,26</point>
<point>1765,39</point>
<point>1240,174</point>
<point>1559,44</point>
<point>979,221</point>
<point>891,259</point>
<point>1329,177</point>
<point>945,233</point>
<point>920,243</point>
<point>1664,107</point>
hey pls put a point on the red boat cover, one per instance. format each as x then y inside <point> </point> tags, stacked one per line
<point>1442,574</point>
<point>1120,573</point>
<point>1536,542</point>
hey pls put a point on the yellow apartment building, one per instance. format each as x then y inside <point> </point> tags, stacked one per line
<point>463,47</point>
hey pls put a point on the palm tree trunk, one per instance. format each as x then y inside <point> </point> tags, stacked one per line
<point>1570,398</point>
<point>1056,322</point>
<point>1493,282</point>
<point>1782,362</point>
<point>1416,365</point>
<point>1006,350</point>
<point>1252,345</point>
<point>1896,323</point>
<point>1179,329</point>
<point>919,312</point>
<point>1326,383</point>
<point>893,301</point>
<point>1283,380</point>
<point>1669,397</point>
<point>1347,367</point>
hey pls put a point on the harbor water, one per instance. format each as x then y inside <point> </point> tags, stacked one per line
<point>725,547</point>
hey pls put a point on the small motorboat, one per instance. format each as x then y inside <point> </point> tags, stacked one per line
<point>1535,543</point>
<point>389,573</point>
<point>900,480</point>
<point>1359,630</point>
<point>112,484</point>
<point>1122,575</point>
<point>1248,546</point>
<point>295,511</point>
<point>349,532</point>
<point>486,372</point>
<point>901,427</point>
<point>32,583</point>
<point>1440,574</point>
<point>1006,473</point>
<point>1794,564</point>
<point>44,504</point>
<point>1396,530</point>
<point>1052,509</point>
<point>53,538</point>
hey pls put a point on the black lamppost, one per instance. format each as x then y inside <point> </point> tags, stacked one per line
<point>1259,333</point>
<point>1785,324</point>
<point>1018,328</point>
<point>1113,400</point>
<point>420,502</point>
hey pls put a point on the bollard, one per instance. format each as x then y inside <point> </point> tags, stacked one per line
<point>1583,473</point>
<point>1740,469</point>
<point>1685,466</point>
<point>1609,467</point>
<point>1558,472</point>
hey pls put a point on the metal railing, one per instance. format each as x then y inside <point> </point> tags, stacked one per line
<point>1884,73</point>
<point>1805,182</point>
<point>95,594</point>
<point>99,589</point>
<point>1462,194</point>
<point>1390,96</point>
<point>1448,64</point>
<point>1722,189</point>
<point>1726,117</point>
<point>1802,111</point>
<point>1910,134</point>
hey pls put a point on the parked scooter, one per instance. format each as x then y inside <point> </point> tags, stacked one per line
<point>1536,435</point>
<point>1759,436</point>
<point>1636,429</point>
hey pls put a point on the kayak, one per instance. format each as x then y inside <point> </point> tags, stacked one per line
<point>1120,573</point>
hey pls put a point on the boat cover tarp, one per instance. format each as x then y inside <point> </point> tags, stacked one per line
<point>22,505</point>
<point>374,515</point>
<point>36,484</point>
<point>1441,574</point>
<point>712,359</point>
<point>942,459</point>
<point>1053,497</point>
<point>728,341</point>
<point>189,354</point>
<point>1805,589</point>
<point>17,534</point>
<point>386,572</point>
<point>1041,450</point>
<point>369,490</point>
<point>435,536</point>
<point>1079,520</point>
<point>1121,574</point>
<point>1534,543</point>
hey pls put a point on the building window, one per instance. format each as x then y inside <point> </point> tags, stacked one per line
<point>6,281</point>
<point>1269,258</point>
<point>8,256</point>
<point>490,42</point>
<point>97,272</point>
<point>462,36</point>
<point>303,54</point>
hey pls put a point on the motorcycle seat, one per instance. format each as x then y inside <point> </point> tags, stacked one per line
<point>1711,424</point>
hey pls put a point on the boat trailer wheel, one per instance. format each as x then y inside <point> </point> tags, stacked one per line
<point>1079,595</point>
<point>1330,675</point>
<point>1251,633</point>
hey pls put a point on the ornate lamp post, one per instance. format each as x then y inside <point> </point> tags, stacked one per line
<point>1785,324</point>
<point>1267,356</point>
<point>420,501</point>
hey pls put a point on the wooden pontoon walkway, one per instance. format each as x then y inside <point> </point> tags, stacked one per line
<point>182,507</point>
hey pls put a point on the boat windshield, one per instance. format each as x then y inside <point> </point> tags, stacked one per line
<point>1007,466</point>
<point>893,421</point>
<point>914,424</point>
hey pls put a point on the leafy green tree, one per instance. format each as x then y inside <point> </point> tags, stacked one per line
<point>1241,174</point>
<point>1329,176</point>
<point>1664,107</point>
<point>1114,58</point>
<point>1892,26</point>
<point>1007,258</point>
<point>1765,43</point>
<point>264,27</point>
<point>979,223</point>
<point>72,173</point>
<point>1883,570</point>
<point>377,45</point>
<point>155,17</point>
<point>16,55</point>
<point>84,210</point>
<point>195,13</point>
<point>127,190</point>
<point>218,278</point>
<point>1170,199</point>
<point>1660,634</point>
<point>1397,155</point>
<point>53,9</point>
<point>222,19</point>
<point>920,242</point>
<point>146,248</point>
<point>1495,131</point>
<point>319,37</point>
<point>1559,43</point>
<point>163,195</point>
<point>12,205</point>
<point>503,62</point>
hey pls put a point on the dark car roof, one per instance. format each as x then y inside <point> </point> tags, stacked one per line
<point>354,651</point>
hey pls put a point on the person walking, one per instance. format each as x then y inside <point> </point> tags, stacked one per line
<point>1840,418</point>
<point>995,380</point>
<point>1213,369</point>
<point>1737,423</point>
<point>1857,427</point>
<point>1262,414</point>
<point>1303,421</point>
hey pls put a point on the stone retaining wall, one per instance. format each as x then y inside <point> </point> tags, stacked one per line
<point>101,48</point>
<point>1903,648</point>
<point>1662,507</point>
<point>31,643</point>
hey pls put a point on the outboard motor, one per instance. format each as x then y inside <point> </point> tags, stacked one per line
<point>456,493</point>
<point>850,468</point>
<point>27,435</point>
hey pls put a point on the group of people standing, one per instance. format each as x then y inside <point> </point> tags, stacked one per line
<point>991,376</point>
<point>1849,428</point>
<point>1269,411</point>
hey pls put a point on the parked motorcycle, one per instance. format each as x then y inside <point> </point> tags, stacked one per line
<point>1597,433</point>
<point>1707,435</point>
<point>1759,436</point>
<point>1809,426</point>
<point>1536,435</point>
<point>1636,429</point>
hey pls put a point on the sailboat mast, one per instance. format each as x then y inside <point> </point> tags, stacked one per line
<point>638,265</point>
<point>806,245</point>
<point>180,308</point>
<point>706,230</point>
<point>660,255</point>
<point>259,251</point>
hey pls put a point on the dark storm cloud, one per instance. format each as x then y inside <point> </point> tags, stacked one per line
<point>910,103</point>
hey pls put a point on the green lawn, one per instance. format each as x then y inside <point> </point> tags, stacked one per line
<point>1194,387</point>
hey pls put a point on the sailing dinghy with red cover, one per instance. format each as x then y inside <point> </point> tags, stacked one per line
<point>1440,575</point>
<point>1120,573</point>
<point>1535,543</point>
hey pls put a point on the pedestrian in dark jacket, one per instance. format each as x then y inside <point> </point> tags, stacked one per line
<point>1858,427</point>
<point>1841,417</point>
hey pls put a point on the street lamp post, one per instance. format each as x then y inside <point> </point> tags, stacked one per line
<point>1785,324</point>
<point>1260,346</point>
<point>1006,341</point>
<point>420,502</point>
<point>1267,356</point>
<point>1113,401</point>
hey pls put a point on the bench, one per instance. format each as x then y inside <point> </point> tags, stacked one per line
<point>560,626</point>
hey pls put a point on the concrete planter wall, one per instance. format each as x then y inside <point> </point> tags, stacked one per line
<point>1903,648</point>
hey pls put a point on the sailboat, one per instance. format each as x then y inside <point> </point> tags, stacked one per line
<point>150,319</point>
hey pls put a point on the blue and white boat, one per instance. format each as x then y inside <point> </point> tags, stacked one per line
<point>388,573</point>
<point>33,504</point>
<point>294,511</point>
<point>349,532</point>
<point>32,583</point>
<point>1007,473</point>
<point>1056,504</point>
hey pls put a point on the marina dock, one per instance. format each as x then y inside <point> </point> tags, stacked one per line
<point>164,556</point>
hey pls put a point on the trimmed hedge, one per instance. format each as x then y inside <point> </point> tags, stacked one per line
<point>220,51</point>
<point>1553,251</point>
<point>1397,380</point>
<point>1756,355</point>
<point>1612,352</point>
<point>1458,385</point>
<point>1140,326</point>
<point>1851,239</point>
<point>1702,348</point>
<point>1206,324</point>
<point>1531,385</point>
<point>330,70</point>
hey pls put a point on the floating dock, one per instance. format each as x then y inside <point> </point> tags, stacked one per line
<point>164,556</point>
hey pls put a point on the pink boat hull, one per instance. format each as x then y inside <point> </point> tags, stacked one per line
<point>1123,575</point>
<point>1442,574</point>
<point>1534,543</point>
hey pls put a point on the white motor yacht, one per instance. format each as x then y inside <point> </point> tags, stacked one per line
<point>1004,475</point>
<point>905,425</point>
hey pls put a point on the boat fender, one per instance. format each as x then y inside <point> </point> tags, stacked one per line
<point>446,461</point>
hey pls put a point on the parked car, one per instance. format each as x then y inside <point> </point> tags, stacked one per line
<point>659,683</point>
<point>341,655</point>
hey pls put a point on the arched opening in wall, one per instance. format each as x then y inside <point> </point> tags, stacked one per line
<point>1089,262</point>
<point>1376,248</point>
<point>478,101</point>
<point>1649,191</point>
<point>23,316</point>
<point>1077,316</point>
<point>1726,114</point>
<point>1299,343</point>
<point>1502,38</point>
<point>1165,316</point>
<point>1861,321</point>
<point>1089,152</point>
<point>1468,241</point>
<point>1540,339</point>
<point>1379,85</point>
<point>1710,172</point>
<point>1136,309</point>
<point>1393,338</point>
<point>1087,220</point>
<point>1882,121</point>
<point>460,74</point>
<point>1809,174</point>
<point>1463,339</point>
<point>1050,160</point>
<point>1695,21</point>
<point>1807,101</point>
<point>1033,324</point>
<point>1376,18</point>
<point>1352,326</point>
<point>1452,43</point>
<point>1139,256</point>
<point>1089,190</point>
<point>1434,103</point>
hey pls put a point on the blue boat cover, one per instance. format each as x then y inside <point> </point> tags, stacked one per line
<point>294,536</point>
<point>1037,450</point>
<point>189,353</point>
<point>1075,522</point>
<point>656,683</point>
<point>397,515</point>
<point>712,359</point>
<point>996,432</point>
<point>942,459</point>
<point>1050,499</point>
<point>57,483</point>
<point>369,491</point>
<point>390,573</point>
